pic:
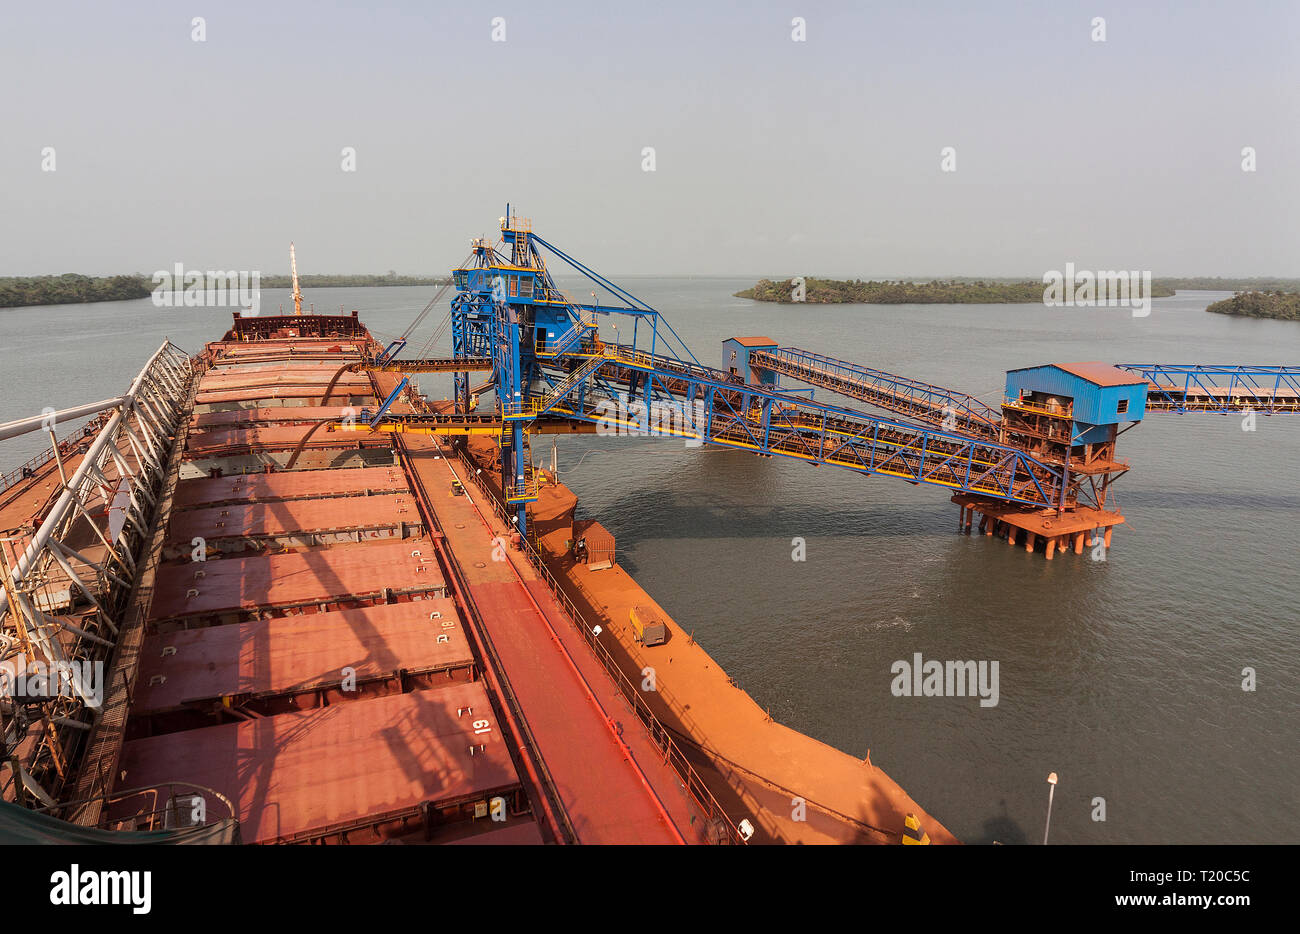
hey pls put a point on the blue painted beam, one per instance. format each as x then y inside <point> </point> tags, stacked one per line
<point>1180,388</point>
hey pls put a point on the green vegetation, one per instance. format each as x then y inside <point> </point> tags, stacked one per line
<point>1214,283</point>
<point>1277,304</point>
<point>73,289</point>
<point>70,289</point>
<point>903,292</point>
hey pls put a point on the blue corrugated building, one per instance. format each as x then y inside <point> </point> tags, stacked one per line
<point>735,359</point>
<point>1097,396</point>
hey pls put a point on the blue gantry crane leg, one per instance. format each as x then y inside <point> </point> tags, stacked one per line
<point>387,403</point>
<point>391,351</point>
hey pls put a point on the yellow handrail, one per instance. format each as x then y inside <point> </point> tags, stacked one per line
<point>1063,412</point>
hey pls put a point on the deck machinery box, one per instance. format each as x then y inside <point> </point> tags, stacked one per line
<point>648,626</point>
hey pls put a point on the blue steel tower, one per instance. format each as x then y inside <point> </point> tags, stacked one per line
<point>507,307</point>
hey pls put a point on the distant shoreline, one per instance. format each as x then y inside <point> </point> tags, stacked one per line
<point>74,289</point>
<point>1000,291</point>
<point>1259,297</point>
<point>902,292</point>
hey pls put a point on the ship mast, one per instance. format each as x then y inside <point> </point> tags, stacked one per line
<point>297,293</point>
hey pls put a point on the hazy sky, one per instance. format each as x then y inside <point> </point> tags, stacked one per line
<point>772,156</point>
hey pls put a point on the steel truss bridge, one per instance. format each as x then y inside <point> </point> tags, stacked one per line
<point>552,372</point>
<point>1223,389</point>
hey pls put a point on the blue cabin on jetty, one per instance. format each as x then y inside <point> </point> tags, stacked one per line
<point>735,359</point>
<point>1098,396</point>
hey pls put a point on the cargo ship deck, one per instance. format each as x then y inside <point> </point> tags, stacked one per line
<point>340,640</point>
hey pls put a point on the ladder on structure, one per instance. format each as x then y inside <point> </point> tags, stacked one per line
<point>567,385</point>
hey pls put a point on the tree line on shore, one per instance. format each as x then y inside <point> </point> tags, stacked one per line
<point>905,292</point>
<point>1261,297</point>
<point>1260,304</point>
<point>71,288</point>
<point>1219,284</point>
<point>1257,298</point>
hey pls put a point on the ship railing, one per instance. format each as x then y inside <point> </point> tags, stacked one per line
<point>67,447</point>
<point>166,806</point>
<point>659,733</point>
<point>113,493</point>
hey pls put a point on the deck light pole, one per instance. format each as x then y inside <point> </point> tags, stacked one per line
<point>1051,792</point>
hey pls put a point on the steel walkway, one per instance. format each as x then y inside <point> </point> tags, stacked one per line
<point>1184,388</point>
<point>947,408</point>
<point>612,784</point>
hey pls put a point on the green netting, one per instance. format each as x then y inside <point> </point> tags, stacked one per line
<point>19,826</point>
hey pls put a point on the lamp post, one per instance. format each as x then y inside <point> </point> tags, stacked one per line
<point>1051,792</point>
